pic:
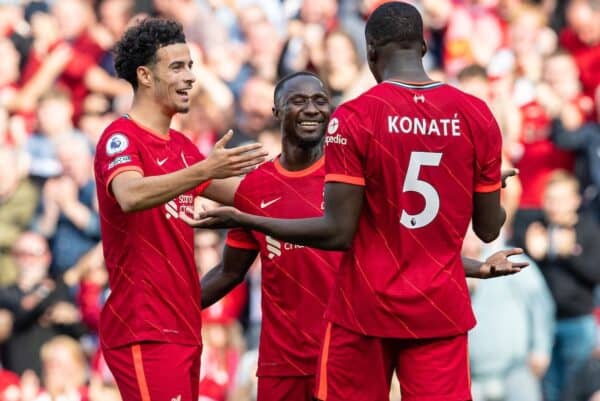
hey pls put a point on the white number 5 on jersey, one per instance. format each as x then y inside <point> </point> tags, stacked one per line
<point>412,183</point>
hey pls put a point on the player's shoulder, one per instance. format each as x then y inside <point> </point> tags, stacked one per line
<point>261,177</point>
<point>116,137</point>
<point>256,184</point>
<point>469,102</point>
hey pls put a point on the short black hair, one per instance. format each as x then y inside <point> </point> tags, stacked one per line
<point>139,45</point>
<point>396,22</point>
<point>281,83</point>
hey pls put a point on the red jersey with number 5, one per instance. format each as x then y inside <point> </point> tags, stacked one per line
<point>420,151</point>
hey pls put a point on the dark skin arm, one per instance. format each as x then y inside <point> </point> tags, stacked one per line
<point>488,215</point>
<point>226,275</point>
<point>236,262</point>
<point>333,231</point>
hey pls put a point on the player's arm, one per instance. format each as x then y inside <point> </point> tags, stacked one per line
<point>222,191</point>
<point>496,265</point>
<point>334,230</point>
<point>226,275</point>
<point>135,192</point>
<point>488,215</point>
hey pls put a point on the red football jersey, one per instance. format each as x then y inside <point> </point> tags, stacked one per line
<point>420,151</point>
<point>155,289</point>
<point>296,280</point>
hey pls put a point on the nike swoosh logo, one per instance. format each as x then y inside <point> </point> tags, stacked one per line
<point>264,204</point>
<point>161,162</point>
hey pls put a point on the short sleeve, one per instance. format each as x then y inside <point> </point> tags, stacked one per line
<point>488,154</point>
<point>241,238</point>
<point>115,155</point>
<point>344,148</point>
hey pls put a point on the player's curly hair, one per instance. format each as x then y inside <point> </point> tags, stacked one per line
<point>397,22</point>
<point>139,45</point>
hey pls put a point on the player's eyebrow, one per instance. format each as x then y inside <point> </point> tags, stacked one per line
<point>177,63</point>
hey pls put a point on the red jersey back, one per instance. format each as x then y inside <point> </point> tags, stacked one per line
<point>155,289</point>
<point>296,281</point>
<point>420,152</point>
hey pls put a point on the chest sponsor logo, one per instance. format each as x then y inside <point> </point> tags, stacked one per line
<point>178,205</point>
<point>116,144</point>
<point>178,398</point>
<point>333,126</point>
<point>337,139</point>
<point>264,204</point>
<point>276,247</point>
<point>119,160</point>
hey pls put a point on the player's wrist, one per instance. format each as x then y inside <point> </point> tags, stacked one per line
<point>203,171</point>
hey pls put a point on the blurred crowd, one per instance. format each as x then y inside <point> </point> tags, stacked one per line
<point>536,64</point>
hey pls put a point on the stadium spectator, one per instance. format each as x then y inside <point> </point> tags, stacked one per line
<point>18,200</point>
<point>565,246</point>
<point>41,306</point>
<point>511,367</point>
<point>69,217</point>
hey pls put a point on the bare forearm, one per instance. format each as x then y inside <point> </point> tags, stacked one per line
<point>146,192</point>
<point>216,284</point>
<point>318,232</point>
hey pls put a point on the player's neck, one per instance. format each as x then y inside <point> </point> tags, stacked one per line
<point>294,157</point>
<point>149,115</point>
<point>405,67</point>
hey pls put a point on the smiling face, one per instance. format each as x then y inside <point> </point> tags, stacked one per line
<point>170,78</point>
<point>303,109</point>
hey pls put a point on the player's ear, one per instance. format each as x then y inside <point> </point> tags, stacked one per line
<point>275,111</point>
<point>371,53</point>
<point>423,48</point>
<point>144,76</point>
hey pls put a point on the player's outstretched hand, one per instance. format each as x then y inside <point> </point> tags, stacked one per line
<point>506,174</point>
<point>498,264</point>
<point>221,217</point>
<point>233,162</point>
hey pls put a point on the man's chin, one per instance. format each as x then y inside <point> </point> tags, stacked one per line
<point>310,142</point>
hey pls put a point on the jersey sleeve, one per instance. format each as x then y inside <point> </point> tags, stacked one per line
<point>241,238</point>
<point>488,154</point>
<point>344,148</point>
<point>117,154</point>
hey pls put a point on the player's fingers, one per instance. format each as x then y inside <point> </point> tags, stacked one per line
<point>183,216</point>
<point>520,265</point>
<point>197,207</point>
<point>505,174</point>
<point>513,251</point>
<point>223,141</point>
<point>245,148</point>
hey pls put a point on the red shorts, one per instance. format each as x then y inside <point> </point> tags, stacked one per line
<point>359,368</point>
<point>155,371</point>
<point>288,388</point>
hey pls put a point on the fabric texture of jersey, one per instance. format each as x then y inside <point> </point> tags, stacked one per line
<point>296,280</point>
<point>155,289</point>
<point>420,152</point>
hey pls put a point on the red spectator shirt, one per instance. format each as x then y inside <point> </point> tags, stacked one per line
<point>296,280</point>
<point>420,151</point>
<point>155,289</point>
<point>586,57</point>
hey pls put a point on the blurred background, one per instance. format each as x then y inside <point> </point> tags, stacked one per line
<point>536,64</point>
